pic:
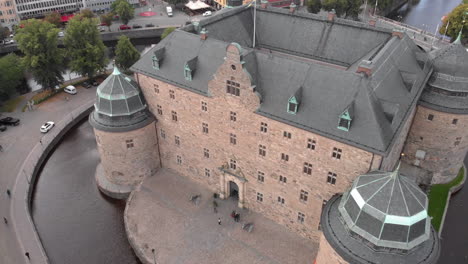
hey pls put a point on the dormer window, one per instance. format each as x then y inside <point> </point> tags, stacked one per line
<point>157,58</point>
<point>155,63</point>
<point>187,73</point>
<point>294,101</point>
<point>345,121</point>
<point>189,68</point>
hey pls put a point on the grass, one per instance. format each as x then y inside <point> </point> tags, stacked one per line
<point>10,105</point>
<point>438,196</point>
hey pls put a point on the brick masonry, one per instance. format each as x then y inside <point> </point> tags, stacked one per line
<point>445,143</point>
<point>219,105</point>
<point>327,255</point>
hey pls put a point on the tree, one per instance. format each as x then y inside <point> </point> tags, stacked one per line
<point>381,4</point>
<point>85,48</point>
<point>11,74</point>
<point>314,6</point>
<point>343,8</point>
<point>126,54</point>
<point>87,13</point>
<point>38,41</point>
<point>107,19</point>
<point>455,20</point>
<point>54,18</point>
<point>123,9</point>
<point>167,31</point>
<point>4,32</point>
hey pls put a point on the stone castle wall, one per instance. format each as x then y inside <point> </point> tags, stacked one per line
<point>128,165</point>
<point>444,143</point>
<point>326,254</point>
<point>261,196</point>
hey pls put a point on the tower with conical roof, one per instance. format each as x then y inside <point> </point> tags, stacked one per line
<point>125,134</point>
<point>381,219</point>
<point>438,139</point>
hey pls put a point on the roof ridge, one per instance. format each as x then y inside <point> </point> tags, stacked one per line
<point>403,196</point>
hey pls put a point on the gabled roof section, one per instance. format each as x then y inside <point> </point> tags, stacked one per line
<point>192,63</point>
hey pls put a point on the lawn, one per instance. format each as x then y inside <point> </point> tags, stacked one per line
<point>438,198</point>
<point>10,105</point>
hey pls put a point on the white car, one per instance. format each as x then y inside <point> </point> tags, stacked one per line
<point>11,41</point>
<point>61,34</point>
<point>70,89</point>
<point>47,126</point>
<point>207,13</point>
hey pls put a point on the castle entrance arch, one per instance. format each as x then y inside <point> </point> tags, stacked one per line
<point>233,190</point>
<point>232,186</point>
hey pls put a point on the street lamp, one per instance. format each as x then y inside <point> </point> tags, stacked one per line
<point>154,255</point>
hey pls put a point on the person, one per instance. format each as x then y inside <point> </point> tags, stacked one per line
<point>8,192</point>
<point>1,148</point>
<point>27,255</point>
<point>219,221</point>
<point>5,220</point>
<point>237,218</point>
<point>233,214</point>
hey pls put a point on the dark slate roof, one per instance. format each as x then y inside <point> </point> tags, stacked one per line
<point>387,209</point>
<point>383,101</point>
<point>447,89</point>
<point>357,250</point>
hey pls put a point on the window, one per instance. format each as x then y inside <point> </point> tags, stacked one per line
<point>304,196</point>
<point>179,160</point>
<point>233,67</point>
<point>307,168</point>
<point>345,119</point>
<point>205,128</point>
<point>280,200</point>
<point>206,153</point>
<point>172,94</point>
<point>233,116</point>
<point>311,144</point>
<point>284,157</point>
<point>233,164</point>
<point>261,176</point>
<point>232,88</point>
<point>292,107</point>
<point>129,143</point>
<point>454,121</point>
<point>283,179</point>
<point>232,139</point>
<point>336,153</point>
<point>457,141</point>
<point>259,197</point>
<point>263,127</point>
<point>300,217</point>
<point>207,172</point>
<point>204,106</point>
<point>162,133</point>
<point>286,134</point>
<point>261,150</point>
<point>331,178</point>
<point>430,117</point>
<point>160,112</point>
<point>187,73</point>
<point>177,140</point>
<point>174,116</point>
<point>156,88</point>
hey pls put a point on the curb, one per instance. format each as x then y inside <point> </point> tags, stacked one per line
<point>452,190</point>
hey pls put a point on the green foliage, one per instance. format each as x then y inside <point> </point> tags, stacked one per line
<point>54,18</point>
<point>11,74</point>
<point>42,57</point>
<point>314,6</point>
<point>123,9</point>
<point>381,5</point>
<point>4,32</point>
<point>343,8</point>
<point>85,48</point>
<point>456,22</point>
<point>10,105</point>
<point>167,31</point>
<point>126,54</point>
<point>87,13</point>
<point>107,18</point>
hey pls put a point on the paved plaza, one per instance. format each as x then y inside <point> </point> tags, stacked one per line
<point>160,216</point>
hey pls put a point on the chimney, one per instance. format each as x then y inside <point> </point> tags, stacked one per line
<point>203,34</point>
<point>292,7</point>
<point>365,67</point>
<point>331,15</point>
<point>398,33</point>
<point>263,3</point>
<point>372,22</point>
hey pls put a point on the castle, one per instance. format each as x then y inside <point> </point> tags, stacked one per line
<point>316,106</point>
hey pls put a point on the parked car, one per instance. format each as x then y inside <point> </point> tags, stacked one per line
<point>9,121</point>
<point>11,41</point>
<point>47,126</point>
<point>70,89</point>
<point>86,85</point>
<point>101,28</point>
<point>61,34</point>
<point>136,26</point>
<point>149,25</point>
<point>124,27</point>
<point>169,11</point>
<point>3,128</point>
<point>95,83</point>
<point>207,13</point>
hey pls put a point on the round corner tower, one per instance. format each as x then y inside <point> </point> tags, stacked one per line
<point>125,134</point>
<point>438,139</point>
<point>381,219</point>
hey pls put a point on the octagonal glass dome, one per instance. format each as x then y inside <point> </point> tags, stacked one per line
<point>387,209</point>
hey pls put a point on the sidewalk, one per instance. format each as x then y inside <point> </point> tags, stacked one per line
<point>160,216</point>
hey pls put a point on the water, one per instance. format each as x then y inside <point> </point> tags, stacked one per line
<point>76,223</point>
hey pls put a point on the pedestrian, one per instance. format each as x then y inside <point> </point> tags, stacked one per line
<point>233,214</point>
<point>219,221</point>
<point>8,192</point>
<point>1,148</point>
<point>27,255</point>
<point>40,141</point>
<point>5,220</point>
<point>237,217</point>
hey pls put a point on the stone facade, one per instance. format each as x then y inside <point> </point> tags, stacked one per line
<point>128,157</point>
<point>438,145</point>
<point>327,255</point>
<point>260,178</point>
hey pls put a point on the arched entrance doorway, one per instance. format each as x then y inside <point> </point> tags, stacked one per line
<point>233,190</point>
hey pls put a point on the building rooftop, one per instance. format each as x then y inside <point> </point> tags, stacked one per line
<point>359,83</point>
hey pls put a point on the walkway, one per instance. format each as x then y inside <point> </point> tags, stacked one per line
<point>160,216</point>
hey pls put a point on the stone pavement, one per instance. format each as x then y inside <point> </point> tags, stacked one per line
<point>160,216</point>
